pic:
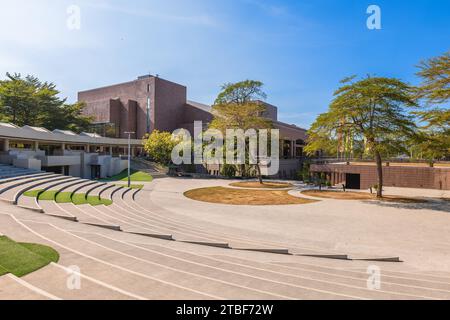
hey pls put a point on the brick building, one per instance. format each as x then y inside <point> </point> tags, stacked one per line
<point>364,175</point>
<point>150,103</point>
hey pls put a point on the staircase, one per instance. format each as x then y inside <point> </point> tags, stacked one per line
<point>149,167</point>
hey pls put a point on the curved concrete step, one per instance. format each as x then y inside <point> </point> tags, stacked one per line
<point>54,280</point>
<point>98,266</point>
<point>89,188</point>
<point>287,284</point>
<point>392,290</point>
<point>5,177</point>
<point>108,194</point>
<point>238,241</point>
<point>69,184</point>
<point>80,213</point>
<point>13,288</point>
<point>216,282</point>
<point>11,195</point>
<point>99,191</point>
<point>116,211</point>
<point>6,185</point>
<point>151,280</point>
<point>180,232</point>
<point>78,187</point>
<point>195,264</point>
<point>32,203</point>
<point>51,208</point>
<point>411,280</point>
<point>125,226</point>
<point>95,191</point>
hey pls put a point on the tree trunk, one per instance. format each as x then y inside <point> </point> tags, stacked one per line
<point>258,168</point>
<point>243,174</point>
<point>380,174</point>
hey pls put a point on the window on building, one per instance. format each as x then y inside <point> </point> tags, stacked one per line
<point>108,130</point>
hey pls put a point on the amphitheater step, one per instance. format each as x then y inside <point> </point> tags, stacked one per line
<point>234,241</point>
<point>375,258</point>
<point>15,177</point>
<point>99,191</point>
<point>4,187</point>
<point>126,217</point>
<point>174,281</point>
<point>405,279</point>
<point>51,208</point>
<point>11,193</point>
<point>100,267</point>
<point>82,216</point>
<point>13,288</point>
<point>31,203</point>
<point>55,279</point>
<point>394,291</point>
<point>234,271</point>
<point>332,274</point>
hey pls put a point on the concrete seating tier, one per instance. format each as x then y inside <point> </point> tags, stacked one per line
<point>116,265</point>
<point>132,250</point>
<point>12,190</point>
<point>127,215</point>
<point>32,203</point>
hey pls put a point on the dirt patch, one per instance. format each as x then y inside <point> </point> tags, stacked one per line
<point>265,185</point>
<point>244,197</point>
<point>339,195</point>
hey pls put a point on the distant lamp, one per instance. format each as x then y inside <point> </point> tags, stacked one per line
<point>129,157</point>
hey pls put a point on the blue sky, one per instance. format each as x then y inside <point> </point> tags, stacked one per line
<point>299,49</point>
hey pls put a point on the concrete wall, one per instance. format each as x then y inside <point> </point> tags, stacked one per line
<point>394,176</point>
<point>33,164</point>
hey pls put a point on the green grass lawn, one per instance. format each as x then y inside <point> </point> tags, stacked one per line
<point>3,271</point>
<point>21,259</point>
<point>67,197</point>
<point>80,198</point>
<point>133,186</point>
<point>48,195</point>
<point>136,176</point>
<point>32,193</point>
<point>64,197</point>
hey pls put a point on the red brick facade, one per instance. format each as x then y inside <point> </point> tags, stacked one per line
<point>394,175</point>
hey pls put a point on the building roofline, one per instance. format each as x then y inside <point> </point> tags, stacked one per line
<point>31,135</point>
<point>129,83</point>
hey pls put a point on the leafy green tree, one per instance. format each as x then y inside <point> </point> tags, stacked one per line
<point>236,107</point>
<point>159,146</point>
<point>374,110</point>
<point>29,101</point>
<point>435,73</point>
<point>67,116</point>
<point>241,92</point>
<point>434,139</point>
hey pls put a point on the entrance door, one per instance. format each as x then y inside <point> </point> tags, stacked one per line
<point>353,181</point>
<point>95,171</point>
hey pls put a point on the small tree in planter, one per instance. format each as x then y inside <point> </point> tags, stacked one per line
<point>229,171</point>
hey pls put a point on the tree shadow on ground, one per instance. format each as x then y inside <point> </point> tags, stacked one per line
<point>430,204</point>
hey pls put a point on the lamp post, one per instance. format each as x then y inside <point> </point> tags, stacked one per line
<point>129,157</point>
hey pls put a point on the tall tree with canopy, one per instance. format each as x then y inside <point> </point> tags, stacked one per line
<point>374,110</point>
<point>237,107</point>
<point>29,101</point>
<point>434,140</point>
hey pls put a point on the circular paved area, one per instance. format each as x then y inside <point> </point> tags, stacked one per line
<point>418,233</point>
